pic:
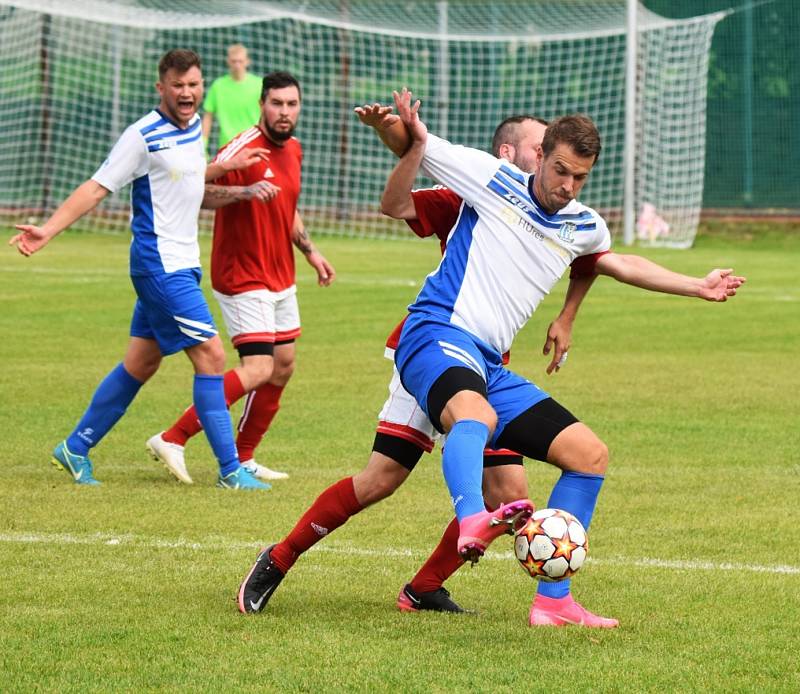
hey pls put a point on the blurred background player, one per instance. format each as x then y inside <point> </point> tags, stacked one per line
<point>253,276</point>
<point>171,313</point>
<point>232,99</point>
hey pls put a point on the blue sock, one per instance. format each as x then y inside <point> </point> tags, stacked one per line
<point>577,493</point>
<point>109,402</point>
<point>209,401</point>
<point>462,465</point>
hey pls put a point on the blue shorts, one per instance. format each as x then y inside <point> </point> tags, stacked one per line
<point>428,348</point>
<point>171,310</point>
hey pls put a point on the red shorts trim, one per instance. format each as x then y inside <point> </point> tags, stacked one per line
<point>283,335</point>
<point>271,338</point>
<point>488,452</point>
<point>405,432</point>
<point>244,338</point>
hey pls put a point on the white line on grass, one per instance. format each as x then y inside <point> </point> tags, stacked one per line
<point>129,539</point>
<point>80,275</point>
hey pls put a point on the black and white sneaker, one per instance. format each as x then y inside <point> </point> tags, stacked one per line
<point>259,584</point>
<point>437,600</point>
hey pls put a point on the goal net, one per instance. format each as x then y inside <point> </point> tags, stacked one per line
<point>75,73</point>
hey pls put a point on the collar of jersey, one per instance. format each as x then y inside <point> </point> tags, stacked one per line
<point>173,123</point>
<point>539,208</point>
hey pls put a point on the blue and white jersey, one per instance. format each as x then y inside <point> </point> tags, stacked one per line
<point>505,253</point>
<point>167,166</point>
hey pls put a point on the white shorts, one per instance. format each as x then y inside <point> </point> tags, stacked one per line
<point>402,417</point>
<point>261,315</point>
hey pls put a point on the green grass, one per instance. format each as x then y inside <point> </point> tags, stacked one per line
<point>130,586</point>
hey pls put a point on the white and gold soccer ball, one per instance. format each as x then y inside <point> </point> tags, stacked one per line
<point>552,545</point>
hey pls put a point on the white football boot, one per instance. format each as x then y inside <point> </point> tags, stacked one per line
<point>262,471</point>
<point>171,455</point>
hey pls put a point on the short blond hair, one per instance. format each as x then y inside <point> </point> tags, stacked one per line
<point>237,48</point>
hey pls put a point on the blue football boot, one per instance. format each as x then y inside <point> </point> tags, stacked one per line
<point>79,466</point>
<point>241,479</point>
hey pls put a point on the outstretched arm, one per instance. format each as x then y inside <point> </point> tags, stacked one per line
<point>83,199</point>
<point>559,332</point>
<point>387,126</point>
<point>397,201</point>
<point>325,272</point>
<point>717,285</point>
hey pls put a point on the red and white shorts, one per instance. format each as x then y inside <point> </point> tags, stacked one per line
<point>260,315</point>
<point>402,417</point>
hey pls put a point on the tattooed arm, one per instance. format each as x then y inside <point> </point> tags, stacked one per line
<point>219,196</point>
<point>301,239</point>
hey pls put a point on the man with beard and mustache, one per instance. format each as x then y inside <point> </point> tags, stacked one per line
<point>253,276</point>
<point>161,155</point>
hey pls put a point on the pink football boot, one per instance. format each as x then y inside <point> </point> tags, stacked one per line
<point>478,531</point>
<point>559,612</point>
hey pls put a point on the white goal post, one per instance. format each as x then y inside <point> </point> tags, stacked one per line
<point>74,73</point>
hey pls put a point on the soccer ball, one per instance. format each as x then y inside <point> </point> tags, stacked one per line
<point>552,545</point>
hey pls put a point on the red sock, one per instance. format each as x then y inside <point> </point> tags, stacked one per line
<point>259,410</point>
<point>331,509</point>
<point>443,562</point>
<point>188,424</point>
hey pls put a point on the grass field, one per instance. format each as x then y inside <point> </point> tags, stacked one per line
<point>130,586</point>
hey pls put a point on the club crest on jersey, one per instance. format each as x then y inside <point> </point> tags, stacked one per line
<point>566,232</point>
<point>268,173</point>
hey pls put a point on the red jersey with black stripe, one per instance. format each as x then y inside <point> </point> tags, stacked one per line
<point>252,247</point>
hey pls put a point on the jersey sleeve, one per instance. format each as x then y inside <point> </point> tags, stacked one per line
<point>464,170</point>
<point>598,240</point>
<point>584,265</point>
<point>126,161</point>
<point>437,211</point>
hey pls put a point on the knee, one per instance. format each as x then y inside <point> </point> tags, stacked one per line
<point>149,369</point>
<point>485,415</point>
<point>597,460</point>
<point>282,372</point>
<point>371,489</point>
<point>144,368</point>
<point>496,495</point>
<point>579,449</point>
<point>258,373</point>
<point>216,364</point>
<point>209,358</point>
<point>383,488</point>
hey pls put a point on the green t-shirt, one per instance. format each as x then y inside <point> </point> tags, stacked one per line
<point>234,105</point>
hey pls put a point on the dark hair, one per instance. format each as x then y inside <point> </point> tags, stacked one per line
<point>179,59</point>
<point>507,132</point>
<point>278,80</point>
<point>577,131</point>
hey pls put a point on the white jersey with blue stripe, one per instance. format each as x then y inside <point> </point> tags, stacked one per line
<point>505,253</point>
<point>166,165</point>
